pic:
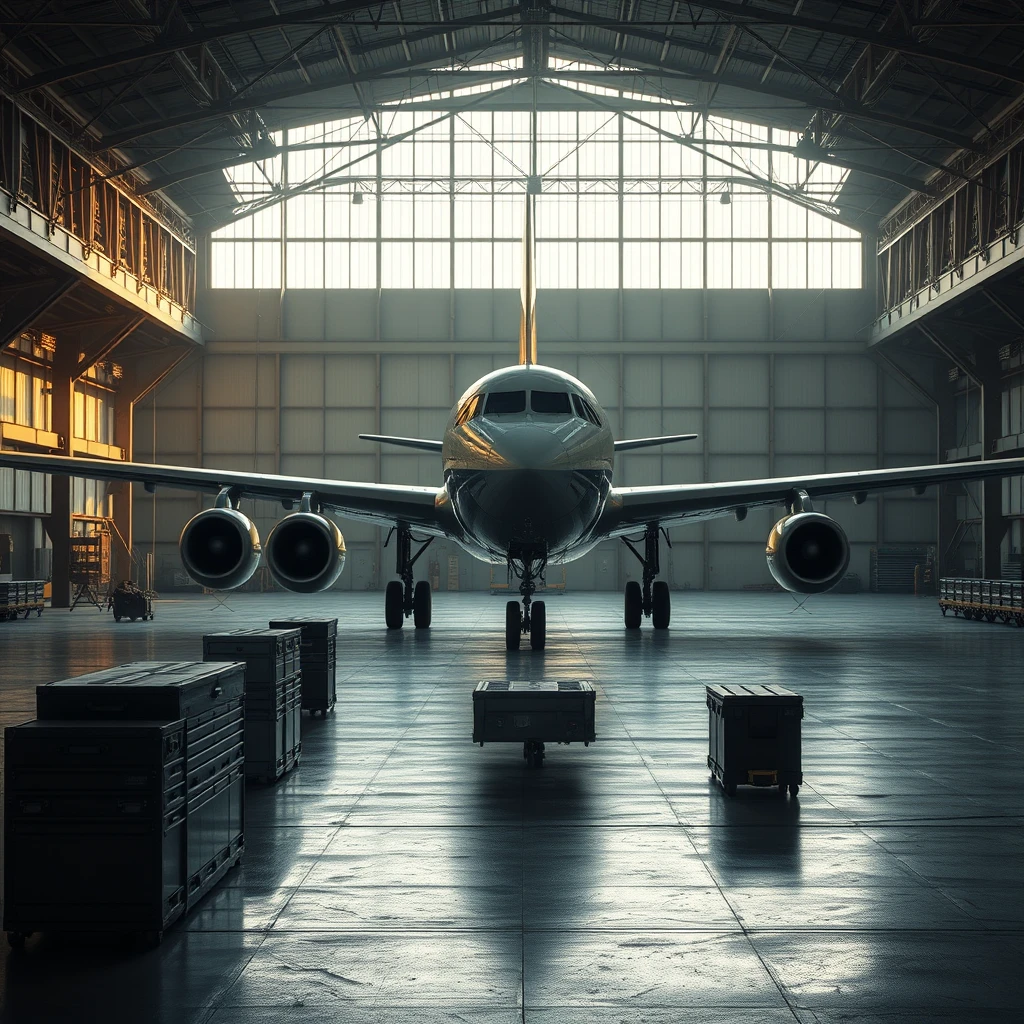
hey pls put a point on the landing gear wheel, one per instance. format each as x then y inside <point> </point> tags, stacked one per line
<point>793,790</point>
<point>661,605</point>
<point>634,605</point>
<point>394,614</point>
<point>513,626</point>
<point>538,625</point>
<point>421,605</point>
<point>533,752</point>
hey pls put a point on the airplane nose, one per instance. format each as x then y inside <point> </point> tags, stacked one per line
<point>530,447</point>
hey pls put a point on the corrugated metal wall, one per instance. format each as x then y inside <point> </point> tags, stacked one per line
<point>758,414</point>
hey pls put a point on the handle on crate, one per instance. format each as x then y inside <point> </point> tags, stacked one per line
<point>217,690</point>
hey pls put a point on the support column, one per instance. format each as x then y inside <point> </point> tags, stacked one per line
<point>124,437</point>
<point>950,563</point>
<point>58,526</point>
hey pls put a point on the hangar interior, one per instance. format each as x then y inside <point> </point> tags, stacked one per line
<point>238,233</point>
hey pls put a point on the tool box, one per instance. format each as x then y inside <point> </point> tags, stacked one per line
<point>754,736</point>
<point>270,655</point>
<point>534,713</point>
<point>319,662</point>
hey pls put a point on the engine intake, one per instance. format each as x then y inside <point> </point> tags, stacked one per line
<point>306,552</point>
<point>220,548</point>
<point>808,553</point>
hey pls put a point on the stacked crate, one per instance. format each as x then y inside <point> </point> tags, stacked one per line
<point>319,662</point>
<point>124,800</point>
<point>273,695</point>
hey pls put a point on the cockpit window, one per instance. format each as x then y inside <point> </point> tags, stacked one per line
<point>584,410</point>
<point>503,402</point>
<point>469,410</point>
<point>551,402</point>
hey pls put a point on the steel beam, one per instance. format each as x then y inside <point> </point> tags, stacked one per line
<point>31,299</point>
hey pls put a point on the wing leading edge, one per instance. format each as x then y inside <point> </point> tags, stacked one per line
<point>424,508</point>
<point>631,508</point>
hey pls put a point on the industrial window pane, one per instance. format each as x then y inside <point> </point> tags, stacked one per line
<point>432,215</point>
<point>79,427</point>
<point>363,264</point>
<point>598,264</point>
<point>509,214</point>
<point>473,217</point>
<point>846,265</point>
<point>475,159</point>
<point>599,159</point>
<point>599,216</point>
<point>336,212</point>
<point>335,265</point>
<point>557,159</point>
<point>396,263</point>
<point>818,226</point>
<point>266,223</point>
<point>473,265</point>
<point>508,265</point>
<point>396,161</point>
<point>641,265</point>
<point>819,264</point>
<point>749,215</point>
<point>432,159</point>
<point>719,264</point>
<point>266,265</point>
<point>556,264</point>
<point>750,265</point>
<point>304,216</point>
<point>396,216</point>
<point>789,264</point>
<point>363,218</point>
<point>556,216</point>
<point>305,265</point>
<point>223,262</point>
<point>90,417</point>
<point>23,398</point>
<point>433,265</point>
<point>640,159</point>
<point>788,219</point>
<point>641,216</point>
<point>719,216</point>
<point>7,403</point>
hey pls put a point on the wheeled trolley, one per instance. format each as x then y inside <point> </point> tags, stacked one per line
<point>534,713</point>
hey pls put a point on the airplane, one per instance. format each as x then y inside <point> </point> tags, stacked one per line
<point>527,458</point>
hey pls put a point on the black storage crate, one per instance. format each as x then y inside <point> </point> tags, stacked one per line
<point>272,743</point>
<point>95,835</point>
<point>514,711</point>
<point>270,655</point>
<point>319,661</point>
<point>754,736</point>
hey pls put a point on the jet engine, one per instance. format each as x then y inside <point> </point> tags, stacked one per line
<point>807,552</point>
<point>306,552</point>
<point>220,548</point>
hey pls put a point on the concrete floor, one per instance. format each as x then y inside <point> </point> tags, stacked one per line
<point>402,873</point>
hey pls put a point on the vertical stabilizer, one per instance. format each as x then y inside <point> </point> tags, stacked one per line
<point>528,291</point>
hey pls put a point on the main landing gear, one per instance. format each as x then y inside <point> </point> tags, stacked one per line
<point>402,599</point>
<point>527,564</point>
<point>653,598</point>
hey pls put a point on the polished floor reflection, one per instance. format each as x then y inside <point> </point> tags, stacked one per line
<point>403,874</point>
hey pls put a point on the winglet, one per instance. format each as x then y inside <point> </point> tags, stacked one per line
<point>528,291</point>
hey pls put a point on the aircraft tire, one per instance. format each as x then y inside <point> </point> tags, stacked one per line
<point>394,613</point>
<point>661,601</point>
<point>538,625</point>
<point>513,626</point>
<point>634,605</point>
<point>421,605</point>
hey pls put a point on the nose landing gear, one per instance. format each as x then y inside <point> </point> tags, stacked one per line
<point>653,599</point>
<point>528,565</point>
<point>401,598</point>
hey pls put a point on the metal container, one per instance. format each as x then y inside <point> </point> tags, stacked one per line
<point>754,736</point>
<point>319,661</point>
<point>269,654</point>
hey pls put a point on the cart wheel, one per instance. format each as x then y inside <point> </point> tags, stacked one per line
<point>132,617</point>
<point>117,618</point>
<point>793,789</point>
<point>943,612</point>
<point>730,789</point>
<point>17,939</point>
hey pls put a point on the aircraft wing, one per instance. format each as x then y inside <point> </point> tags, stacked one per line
<point>631,508</point>
<point>423,508</point>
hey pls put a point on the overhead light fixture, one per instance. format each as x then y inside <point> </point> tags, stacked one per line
<point>725,198</point>
<point>357,198</point>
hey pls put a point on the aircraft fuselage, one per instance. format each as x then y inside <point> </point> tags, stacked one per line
<point>527,457</point>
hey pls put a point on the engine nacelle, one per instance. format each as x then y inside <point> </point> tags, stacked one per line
<point>305,552</point>
<point>220,548</point>
<point>808,552</point>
